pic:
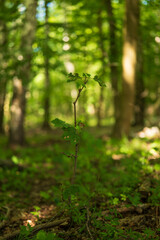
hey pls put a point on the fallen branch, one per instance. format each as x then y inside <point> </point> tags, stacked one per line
<point>122,210</point>
<point>35,229</point>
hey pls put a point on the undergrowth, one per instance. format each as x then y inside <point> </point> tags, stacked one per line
<point>110,175</point>
<point>112,193</point>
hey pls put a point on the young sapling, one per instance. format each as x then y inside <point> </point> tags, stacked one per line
<point>72,132</point>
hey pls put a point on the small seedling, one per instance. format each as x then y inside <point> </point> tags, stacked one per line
<point>72,132</point>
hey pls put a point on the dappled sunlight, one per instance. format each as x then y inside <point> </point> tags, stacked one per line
<point>39,213</point>
<point>149,133</point>
<point>157,39</point>
<point>66,47</point>
<point>79,120</point>
<point>129,61</point>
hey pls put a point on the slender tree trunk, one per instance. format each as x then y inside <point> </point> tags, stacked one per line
<point>103,56</point>
<point>113,58</point>
<point>129,63</point>
<point>2,101</point>
<point>20,82</point>
<point>18,106</point>
<point>3,66</point>
<point>47,77</point>
<point>139,95</point>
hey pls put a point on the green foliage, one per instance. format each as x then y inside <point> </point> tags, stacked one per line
<point>25,232</point>
<point>70,132</point>
<point>71,191</point>
<point>41,235</point>
<point>81,81</point>
<point>101,83</point>
<point>44,195</point>
<point>103,184</point>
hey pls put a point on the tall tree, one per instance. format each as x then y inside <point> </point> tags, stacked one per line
<point>103,70</point>
<point>113,59</point>
<point>21,80</point>
<point>129,63</point>
<point>140,88</point>
<point>3,60</point>
<point>47,76</point>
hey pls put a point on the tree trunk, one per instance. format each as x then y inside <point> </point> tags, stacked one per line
<point>129,63</point>
<point>139,95</point>
<point>2,101</point>
<point>20,82</point>
<point>47,77</point>
<point>113,59</point>
<point>103,56</point>
<point>3,66</point>
<point>16,134</point>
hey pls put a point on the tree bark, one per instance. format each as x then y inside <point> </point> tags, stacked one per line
<point>129,63</point>
<point>113,59</point>
<point>3,66</point>
<point>139,95</point>
<point>103,56</point>
<point>20,82</point>
<point>47,77</point>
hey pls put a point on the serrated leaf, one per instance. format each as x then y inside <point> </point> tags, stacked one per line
<point>70,132</point>
<point>71,135</point>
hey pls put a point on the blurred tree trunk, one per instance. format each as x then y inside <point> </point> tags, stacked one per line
<point>47,77</point>
<point>3,66</point>
<point>139,95</point>
<point>2,101</point>
<point>113,59</point>
<point>129,64</point>
<point>103,56</point>
<point>20,82</point>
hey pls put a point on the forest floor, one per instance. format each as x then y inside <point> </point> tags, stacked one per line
<point>116,194</point>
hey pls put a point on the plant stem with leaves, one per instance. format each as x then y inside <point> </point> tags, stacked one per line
<point>75,125</point>
<point>72,133</point>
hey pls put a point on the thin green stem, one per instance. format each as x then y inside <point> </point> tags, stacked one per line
<point>75,124</point>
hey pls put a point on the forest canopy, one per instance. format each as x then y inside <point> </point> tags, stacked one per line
<point>42,41</point>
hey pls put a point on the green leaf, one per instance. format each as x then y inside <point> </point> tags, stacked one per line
<point>45,195</point>
<point>70,132</point>
<point>25,231</point>
<point>41,235</point>
<point>61,124</point>
<point>80,80</point>
<point>101,83</point>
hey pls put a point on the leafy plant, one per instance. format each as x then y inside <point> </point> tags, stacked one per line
<point>72,132</point>
<point>26,232</point>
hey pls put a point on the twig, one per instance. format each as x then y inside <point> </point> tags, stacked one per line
<point>68,155</point>
<point>75,124</point>
<point>75,163</point>
<point>157,218</point>
<point>87,224</point>
<point>35,229</point>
